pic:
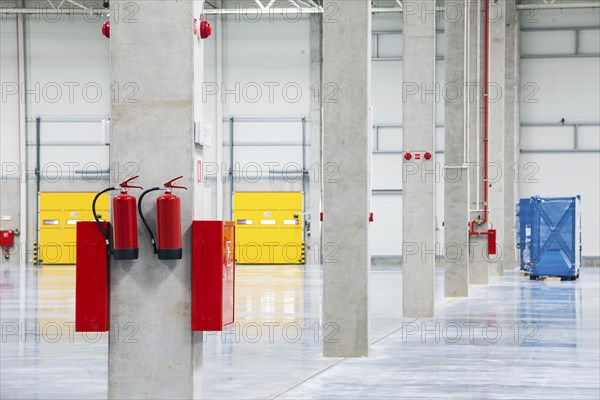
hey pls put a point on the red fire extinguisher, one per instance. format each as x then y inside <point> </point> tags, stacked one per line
<point>168,219</point>
<point>125,241</point>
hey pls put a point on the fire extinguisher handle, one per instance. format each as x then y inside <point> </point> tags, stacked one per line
<point>127,185</point>
<point>169,185</point>
<point>152,239</point>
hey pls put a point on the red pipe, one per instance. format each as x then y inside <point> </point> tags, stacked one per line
<point>19,90</point>
<point>486,92</point>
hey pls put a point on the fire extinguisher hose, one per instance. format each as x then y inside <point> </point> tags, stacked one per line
<point>152,239</point>
<point>104,232</point>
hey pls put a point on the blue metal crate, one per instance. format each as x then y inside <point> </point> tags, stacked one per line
<point>555,236</point>
<point>523,232</point>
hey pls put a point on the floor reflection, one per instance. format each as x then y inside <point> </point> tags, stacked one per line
<point>548,347</point>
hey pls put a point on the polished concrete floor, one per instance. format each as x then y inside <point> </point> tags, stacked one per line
<point>513,339</point>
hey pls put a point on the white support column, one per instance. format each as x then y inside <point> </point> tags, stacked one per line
<point>456,177</point>
<point>347,176</point>
<point>25,246</point>
<point>418,200</point>
<point>497,115</point>
<point>478,264</point>
<point>511,139</point>
<point>219,127</point>
<point>201,195</point>
<point>153,137</point>
<point>313,241</point>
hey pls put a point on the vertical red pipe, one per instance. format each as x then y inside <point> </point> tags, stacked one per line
<point>486,93</point>
<point>19,91</point>
<point>486,103</point>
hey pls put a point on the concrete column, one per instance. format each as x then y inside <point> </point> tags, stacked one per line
<point>201,193</point>
<point>152,356</point>
<point>418,200</point>
<point>456,177</point>
<point>497,115</point>
<point>314,241</point>
<point>511,138</point>
<point>478,264</point>
<point>13,149</point>
<point>347,176</point>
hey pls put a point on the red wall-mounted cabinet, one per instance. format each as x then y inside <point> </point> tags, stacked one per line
<point>92,295</point>
<point>492,242</point>
<point>7,238</point>
<point>213,275</point>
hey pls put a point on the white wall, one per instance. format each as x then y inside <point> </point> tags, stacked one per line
<point>265,74</point>
<point>10,211</point>
<point>564,87</point>
<point>69,53</point>
<point>9,104</point>
<point>67,85</point>
<point>67,80</point>
<point>561,87</point>
<point>72,50</point>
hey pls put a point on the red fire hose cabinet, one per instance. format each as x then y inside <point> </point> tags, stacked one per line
<point>92,292</point>
<point>213,275</point>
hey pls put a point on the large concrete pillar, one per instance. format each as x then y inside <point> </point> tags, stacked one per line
<point>347,176</point>
<point>314,241</point>
<point>456,176</point>
<point>152,135</point>
<point>511,137</point>
<point>478,264</point>
<point>496,128</point>
<point>418,200</point>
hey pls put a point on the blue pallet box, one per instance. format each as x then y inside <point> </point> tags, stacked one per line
<point>523,232</point>
<point>555,237</point>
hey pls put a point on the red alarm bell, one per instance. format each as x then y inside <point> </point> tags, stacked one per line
<point>202,28</point>
<point>205,29</point>
<point>106,29</point>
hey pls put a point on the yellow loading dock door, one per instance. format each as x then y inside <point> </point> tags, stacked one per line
<point>269,227</point>
<point>59,213</point>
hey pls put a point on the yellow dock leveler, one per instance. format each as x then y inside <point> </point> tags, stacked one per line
<point>269,227</point>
